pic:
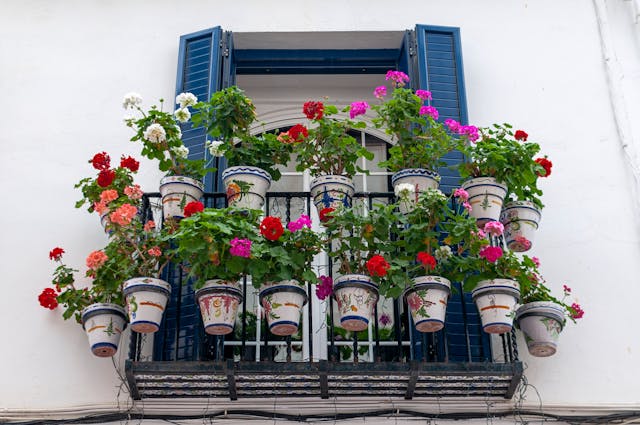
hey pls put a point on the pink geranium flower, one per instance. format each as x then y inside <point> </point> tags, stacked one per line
<point>462,194</point>
<point>96,259</point>
<point>240,248</point>
<point>303,221</point>
<point>430,111</point>
<point>123,214</point>
<point>424,94</point>
<point>494,228</point>
<point>358,108</point>
<point>491,253</point>
<point>380,92</point>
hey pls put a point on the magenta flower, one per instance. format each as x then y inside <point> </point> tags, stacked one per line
<point>566,289</point>
<point>480,234</point>
<point>399,78</point>
<point>453,125</point>
<point>240,247</point>
<point>462,194</point>
<point>429,110</point>
<point>325,288</point>
<point>577,312</point>
<point>358,108</point>
<point>470,131</point>
<point>380,92</point>
<point>384,319</point>
<point>303,221</point>
<point>424,94</point>
<point>494,228</point>
<point>491,253</point>
<point>467,206</point>
<point>524,242</point>
<point>536,261</point>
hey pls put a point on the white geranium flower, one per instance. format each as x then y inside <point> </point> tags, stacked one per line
<point>131,100</point>
<point>436,194</point>
<point>155,133</point>
<point>443,252</point>
<point>186,99</point>
<point>182,114</point>
<point>178,131</point>
<point>404,189</point>
<point>214,147</point>
<point>180,151</point>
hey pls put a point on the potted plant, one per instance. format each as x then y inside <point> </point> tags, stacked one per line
<point>280,268</point>
<point>252,159</point>
<point>496,164</point>
<point>112,187</point>
<point>98,307</point>
<point>541,317</point>
<point>215,247</point>
<point>420,140</point>
<point>161,138</point>
<point>361,247</point>
<point>329,152</point>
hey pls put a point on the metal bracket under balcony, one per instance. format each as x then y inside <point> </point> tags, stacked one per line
<point>324,379</point>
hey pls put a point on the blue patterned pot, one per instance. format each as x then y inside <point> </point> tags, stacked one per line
<point>147,299</point>
<point>521,220</point>
<point>104,324</point>
<point>282,303</point>
<point>178,191</point>
<point>427,300</point>
<point>541,323</point>
<point>486,196</point>
<point>496,300</point>
<point>246,187</point>
<point>356,296</point>
<point>218,301</point>
<point>332,191</point>
<point>420,179</point>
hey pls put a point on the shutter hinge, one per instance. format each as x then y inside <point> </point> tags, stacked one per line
<point>224,47</point>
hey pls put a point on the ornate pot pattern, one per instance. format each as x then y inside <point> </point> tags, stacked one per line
<point>420,178</point>
<point>282,303</point>
<point>246,187</point>
<point>356,296</point>
<point>427,300</point>
<point>104,324</point>
<point>541,323</point>
<point>218,301</point>
<point>486,196</point>
<point>520,220</point>
<point>496,300</point>
<point>178,191</point>
<point>332,191</point>
<point>147,299</point>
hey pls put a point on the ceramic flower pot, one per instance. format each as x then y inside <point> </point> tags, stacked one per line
<point>104,323</point>
<point>420,179</point>
<point>541,323</point>
<point>147,299</point>
<point>486,196</point>
<point>218,301</point>
<point>178,191</point>
<point>332,191</point>
<point>496,300</point>
<point>356,296</point>
<point>427,300</point>
<point>282,303</point>
<point>246,187</point>
<point>520,220</point>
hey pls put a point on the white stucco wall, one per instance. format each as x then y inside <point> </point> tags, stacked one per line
<point>65,65</point>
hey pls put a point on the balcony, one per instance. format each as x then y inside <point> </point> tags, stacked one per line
<point>390,359</point>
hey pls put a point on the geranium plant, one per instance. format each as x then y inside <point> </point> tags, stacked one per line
<point>161,136</point>
<point>215,243</point>
<point>227,118</point>
<point>284,254</point>
<point>327,147</point>
<point>420,140</point>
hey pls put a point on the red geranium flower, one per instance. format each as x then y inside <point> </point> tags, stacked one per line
<point>192,208</point>
<point>271,228</point>
<point>48,298</point>
<point>546,164</point>
<point>105,178</point>
<point>378,266</point>
<point>313,110</point>
<point>298,133</point>
<point>427,260</point>
<point>325,214</point>
<point>56,253</point>
<point>101,161</point>
<point>130,163</point>
<point>521,135</point>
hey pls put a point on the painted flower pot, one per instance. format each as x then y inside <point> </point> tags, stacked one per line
<point>246,187</point>
<point>104,323</point>
<point>105,222</point>
<point>486,196</point>
<point>496,300</point>
<point>420,178</point>
<point>427,300</point>
<point>147,299</point>
<point>520,220</point>
<point>356,296</point>
<point>332,191</point>
<point>282,303</point>
<point>541,323</point>
<point>218,301</point>
<point>178,191</point>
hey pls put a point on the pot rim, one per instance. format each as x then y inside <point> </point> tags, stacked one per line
<point>154,285</point>
<point>267,290</point>
<point>97,309</point>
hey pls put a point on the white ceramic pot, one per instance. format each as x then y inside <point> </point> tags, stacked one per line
<point>104,324</point>
<point>147,299</point>
<point>541,323</point>
<point>496,300</point>
<point>356,296</point>
<point>178,191</point>
<point>332,191</point>
<point>486,196</point>
<point>282,303</point>
<point>246,187</point>
<point>427,300</point>
<point>420,178</point>
<point>520,220</point>
<point>218,301</point>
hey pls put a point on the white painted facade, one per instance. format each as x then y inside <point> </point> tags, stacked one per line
<point>566,72</point>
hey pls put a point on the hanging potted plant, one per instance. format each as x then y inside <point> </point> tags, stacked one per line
<point>420,141</point>
<point>112,187</point>
<point>541,317</point>
<point>97,307</point>
<point>215,247</point>
<point>161,138</point>
<point>281,267</point>
<point>329,152</point>
<point>252,159</point>
<point>497,163</point>
<point>361,247</point>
